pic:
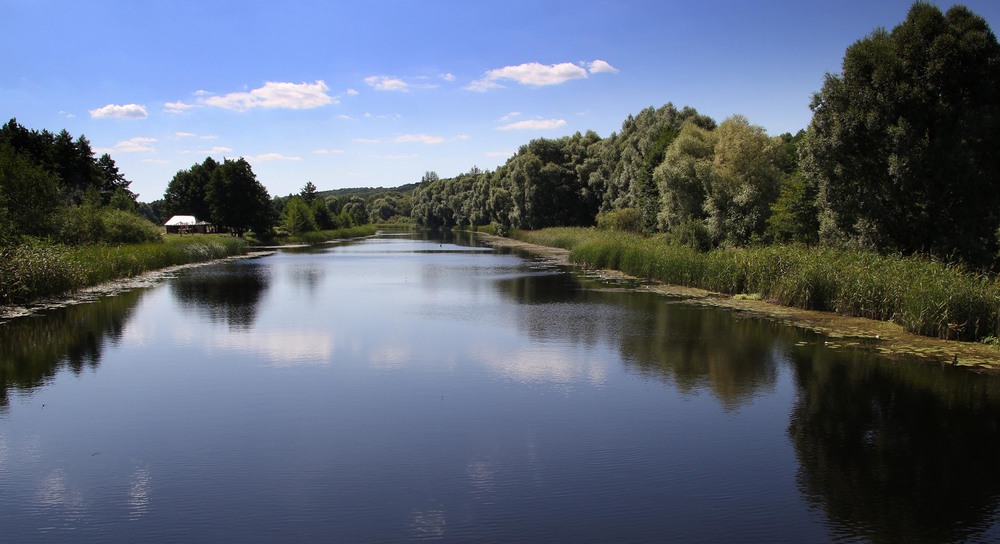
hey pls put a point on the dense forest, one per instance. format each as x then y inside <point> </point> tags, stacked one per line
<point>898,158</point>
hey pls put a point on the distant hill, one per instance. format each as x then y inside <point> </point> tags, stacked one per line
<point>368,192</point>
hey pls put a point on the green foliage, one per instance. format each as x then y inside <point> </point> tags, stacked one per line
<point>627,219</point>
<point>902,142</point>
<point>297,217</point>
<point>321,215</point>
<point>693,234</point>
<point>29,195</point>
<point>238,201</point>
<point>795,215</point>
<point>34,270</point>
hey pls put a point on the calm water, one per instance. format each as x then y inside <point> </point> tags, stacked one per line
<point>416,389</point>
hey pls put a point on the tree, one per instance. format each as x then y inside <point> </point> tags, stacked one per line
<point>684,175</point>
<point>187,192</point>
<point>297,217</point>
<point>308,193</point>
<point>29,195</point>
<point>745,181</point>
<point>902,142</point>
<point>238,201</point>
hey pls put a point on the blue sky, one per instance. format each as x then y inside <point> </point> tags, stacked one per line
<point>375,93</point>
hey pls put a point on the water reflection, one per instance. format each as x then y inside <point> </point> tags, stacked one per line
<point>229,294</point>
<point>904,452</point>
<point>33,349</point>
<point>693,348</point>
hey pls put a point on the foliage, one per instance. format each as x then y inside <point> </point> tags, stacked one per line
<point>29,195</point>
<point>238,201</point>
<point>187,192</point>
<point>627,219</point>
<point>795,215</point>
<point>297,217</point>
<point>902,142</point>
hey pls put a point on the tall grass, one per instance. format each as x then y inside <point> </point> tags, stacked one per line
<point>37,269</point>
<point>924,296</point>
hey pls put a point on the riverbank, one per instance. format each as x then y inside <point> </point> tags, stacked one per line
<point>841,330</point>
<point>31,273</point>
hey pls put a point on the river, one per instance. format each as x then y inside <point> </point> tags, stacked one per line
<point>412,387</point>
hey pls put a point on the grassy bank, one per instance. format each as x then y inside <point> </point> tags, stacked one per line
<point>35,270</point>
<point>320,236</point>
<point>924,296</point>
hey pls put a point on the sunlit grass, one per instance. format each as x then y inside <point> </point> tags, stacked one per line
<point>924,296</point>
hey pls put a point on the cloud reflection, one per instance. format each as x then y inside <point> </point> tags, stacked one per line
<point>281,348</point>
<point>138,493</point>
<point>537,364</point>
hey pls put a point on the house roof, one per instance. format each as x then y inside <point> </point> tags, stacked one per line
<point>179,220</point>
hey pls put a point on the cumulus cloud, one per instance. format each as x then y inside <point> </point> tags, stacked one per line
<point>535,74</point>
<point>115,111</point>
<point>386,83</point>
<point>448,77</point>
<point>534,124</point>
<point>510,116</point>
<point>275,95</point>
<point>352,92</point>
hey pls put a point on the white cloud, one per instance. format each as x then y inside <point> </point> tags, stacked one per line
<point>419,138</point>
<point>185,134</point>
<point>498,153</point>
<point>177,107</point>
<point>367,140</point>
<point>115,111</point>
<point>328,151</point>
<point>136,145</point>
<point>274,95</point>
<point>448,77</point>
<point>602,67</point>
<point>273,157</point>
<point>510,116</point>
<point>532,73</point>
<point>214,151</point>
<point>386,83</point>
<point>352,92</point>
<point>534,124</point>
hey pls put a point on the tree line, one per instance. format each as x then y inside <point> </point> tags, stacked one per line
<point>897,157</point>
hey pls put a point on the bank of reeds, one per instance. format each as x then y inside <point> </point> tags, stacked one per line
<point>34,270</point>
<point>926,297</point>
<point>320,236</point>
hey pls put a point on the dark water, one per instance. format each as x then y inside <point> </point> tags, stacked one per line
<point>405,389</point>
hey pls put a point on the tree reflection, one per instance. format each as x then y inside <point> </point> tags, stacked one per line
<point>227,294</point>
<point>904,452</point>
<point>33,349</point>
<point>695,348</point>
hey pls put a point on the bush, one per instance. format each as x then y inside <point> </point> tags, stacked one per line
<point>625,219</point>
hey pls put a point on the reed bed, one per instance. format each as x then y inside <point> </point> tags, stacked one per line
<point>38,269</point>
<point>925,296</point>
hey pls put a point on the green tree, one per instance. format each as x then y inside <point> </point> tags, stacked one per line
<point>684,175</point>
<point>745,181</point>
<point>187,192</point>
<point>308,193</point>
<point>238,201</point>
<point>902,143</point>
<point>297,217</point>
<point>29,195</point>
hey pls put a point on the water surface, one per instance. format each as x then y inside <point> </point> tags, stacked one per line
<point>412,388</point>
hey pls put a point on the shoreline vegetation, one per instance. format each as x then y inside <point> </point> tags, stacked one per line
<point>902,304</point>
<point>34,271</point>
